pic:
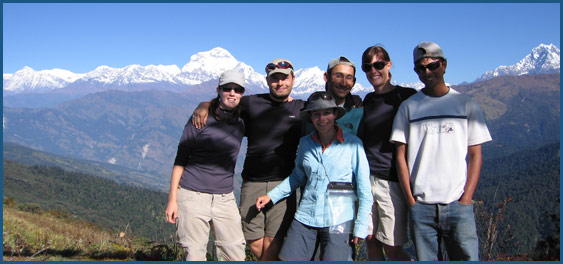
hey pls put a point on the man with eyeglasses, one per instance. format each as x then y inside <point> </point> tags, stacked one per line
<point>434,130</point>
<point>340,78</point>
<point>273,129</point>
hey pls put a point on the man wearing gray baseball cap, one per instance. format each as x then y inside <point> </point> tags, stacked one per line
<point>340,78</point>
<point>434,131</point>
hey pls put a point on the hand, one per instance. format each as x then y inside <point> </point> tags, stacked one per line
<point>199,117</point>
<point>411,201</point>
<point>172,212</point>
<point>465,201</point>
<point>356,240</point>
<point>289,98</point>
<point>262,201</point>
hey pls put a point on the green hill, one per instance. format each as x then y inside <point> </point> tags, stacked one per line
<point>95,199</point>
<point>30,233</point>
<point>15,152</point>
<point>527,185</point>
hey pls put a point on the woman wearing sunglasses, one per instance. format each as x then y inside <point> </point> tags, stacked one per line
<point>389,208</point>
<point>332,167</point>
<point>201,186</point>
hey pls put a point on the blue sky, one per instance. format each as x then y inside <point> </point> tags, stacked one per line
<point>475,37</point>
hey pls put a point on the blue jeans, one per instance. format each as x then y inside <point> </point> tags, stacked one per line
<point>444,231</point>
<point>301,243</point>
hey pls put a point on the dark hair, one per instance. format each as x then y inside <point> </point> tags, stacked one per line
<point>232,118</point>
<point>375,51</point>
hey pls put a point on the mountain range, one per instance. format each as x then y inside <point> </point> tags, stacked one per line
<point>202,71</point>
<point>543,59</point>
<point>133,116</point>
<point>203,67</point>
<point>140,129</point>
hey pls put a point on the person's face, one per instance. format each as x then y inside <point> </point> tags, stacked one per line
<point>378,77</point>
<point>340,81</point>
<point>430,71</point>
<point>323,120</point>
<point>229,95</point>
<point>280,85</point>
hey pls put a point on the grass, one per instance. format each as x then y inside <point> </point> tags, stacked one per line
<point>35,235</point>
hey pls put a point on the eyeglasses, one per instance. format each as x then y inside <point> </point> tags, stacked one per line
<point>228,89</point>
<point>321,95</point>
<point>378,65</point>
<point>280,65</point>
<point>431,66</point>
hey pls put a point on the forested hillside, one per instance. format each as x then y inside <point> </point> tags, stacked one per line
<point>91,198</point>
<point>525,187</point>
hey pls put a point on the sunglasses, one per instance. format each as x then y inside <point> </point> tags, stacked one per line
<point>321,95</point>
<point>431,66</point>
<point>378,65</point>
<point>227,89</point>
<point>280,65</point>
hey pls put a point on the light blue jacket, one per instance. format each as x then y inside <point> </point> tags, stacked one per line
<point>341,162</point>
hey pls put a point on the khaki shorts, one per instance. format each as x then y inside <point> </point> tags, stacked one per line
<point>389,213</point>
<point>197,213</point>
<point>272,221</point>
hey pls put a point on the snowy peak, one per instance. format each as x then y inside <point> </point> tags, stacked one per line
<point>134,74</point>
<point>542,59</point>
<point>208,65</point>
<point>31,80</point>
<point>215,60</point>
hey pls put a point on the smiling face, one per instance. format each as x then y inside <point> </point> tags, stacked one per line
<point>323,120</point>
<point>340,81</point>
<point>431,71</point>
<point>378,78</point>
<point>280,85</point>
<point>229,95</point>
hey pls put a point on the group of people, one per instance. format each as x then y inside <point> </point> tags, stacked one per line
<point>362,169</point>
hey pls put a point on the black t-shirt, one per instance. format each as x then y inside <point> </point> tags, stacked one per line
<point>273,130</point>
<point>375,130</point>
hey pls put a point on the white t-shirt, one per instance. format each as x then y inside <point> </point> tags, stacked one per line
<point>438,131</point>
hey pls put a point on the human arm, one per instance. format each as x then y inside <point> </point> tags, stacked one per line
<point>473,171</point>
<point>172,207</point>
<point>262,201</point>
<point>296,179</point>
<point>403,172</point>
<point>200,114</point>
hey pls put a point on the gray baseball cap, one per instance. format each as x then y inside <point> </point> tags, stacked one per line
<point>321,100</point>
<point>427,49</point>
<point>279,65</point>
<point>231,76</point>
<point>340,61</point>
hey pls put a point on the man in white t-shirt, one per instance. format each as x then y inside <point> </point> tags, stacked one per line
<point>434,131</point>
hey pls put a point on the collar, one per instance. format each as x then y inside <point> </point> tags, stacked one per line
<point>339,136</point>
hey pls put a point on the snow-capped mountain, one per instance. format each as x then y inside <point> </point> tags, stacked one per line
<point>543,59</point>
<point>133,74</point>
<point>208,65</point>
<point>202,67</point>
<point>27,79</point>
